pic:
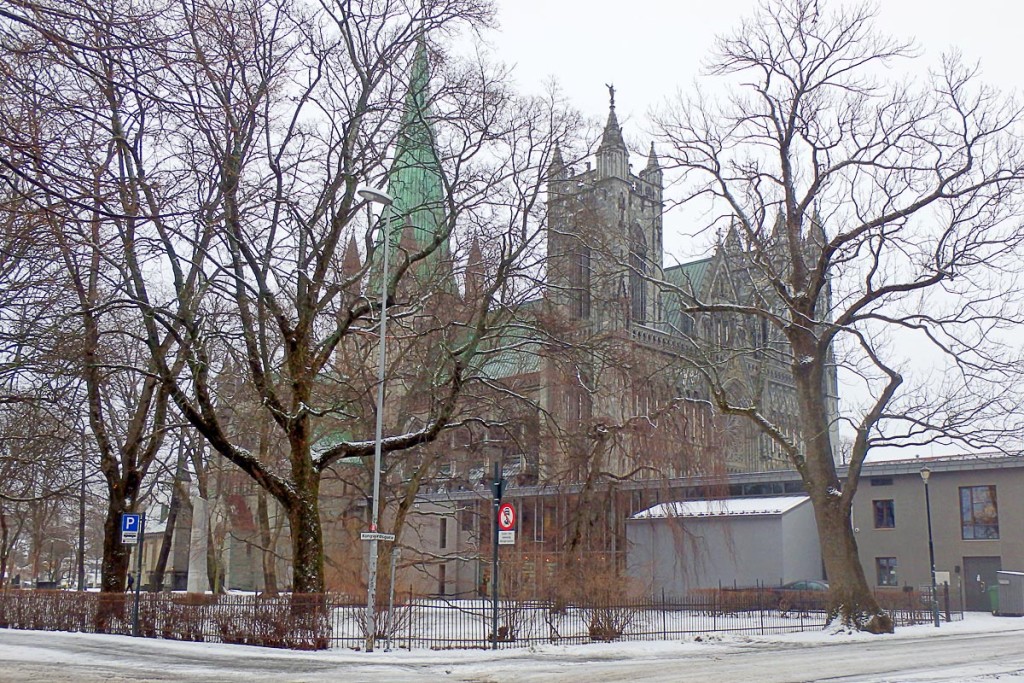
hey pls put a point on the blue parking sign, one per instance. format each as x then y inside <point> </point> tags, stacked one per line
<point>130,522</point>
<point>131,525</point>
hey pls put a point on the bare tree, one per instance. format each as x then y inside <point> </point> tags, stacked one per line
<point>40,485</point>
<point>873,214</point>
<point>221,147</point>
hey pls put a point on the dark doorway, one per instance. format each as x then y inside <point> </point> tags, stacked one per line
<point>979,576</point>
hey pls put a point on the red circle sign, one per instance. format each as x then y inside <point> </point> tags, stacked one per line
<point>506,517</point>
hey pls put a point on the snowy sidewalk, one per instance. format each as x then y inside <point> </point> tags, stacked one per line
<point>980,649</point>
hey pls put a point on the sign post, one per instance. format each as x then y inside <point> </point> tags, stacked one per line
<point>133,530</point>
<point>497,489</point>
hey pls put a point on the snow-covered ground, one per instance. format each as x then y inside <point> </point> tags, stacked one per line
<point>980,649</point>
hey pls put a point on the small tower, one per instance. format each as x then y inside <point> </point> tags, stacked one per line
<point>652,172</point>
<point>475,273</point>
<point>612,157</point>
<point>350,264</point>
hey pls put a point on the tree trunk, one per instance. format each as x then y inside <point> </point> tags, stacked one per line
<point>851,600</point>
<point>157,582</point>
<point>114,571</point>
<point>214,556</point>
<point>269,542</point>
<point>4,552</point>
<point>307,546</point>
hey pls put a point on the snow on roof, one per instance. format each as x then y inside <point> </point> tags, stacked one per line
<point>725,507</point>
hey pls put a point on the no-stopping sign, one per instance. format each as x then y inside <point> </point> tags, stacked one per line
<point>506,517</point>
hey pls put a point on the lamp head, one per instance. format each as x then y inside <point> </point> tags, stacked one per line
<point>376,196</point>
<point>925,474</point>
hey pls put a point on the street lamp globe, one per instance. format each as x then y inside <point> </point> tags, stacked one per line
<point>376,196</point>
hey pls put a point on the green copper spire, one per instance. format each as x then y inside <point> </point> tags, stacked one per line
<point>415,178</point>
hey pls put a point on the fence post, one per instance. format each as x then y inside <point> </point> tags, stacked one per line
<point>945,590</point>
<point>760,605</point>
<point>664,616</point>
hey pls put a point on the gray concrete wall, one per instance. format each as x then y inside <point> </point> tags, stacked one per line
<point>679,555</point>
<point>800,547</point>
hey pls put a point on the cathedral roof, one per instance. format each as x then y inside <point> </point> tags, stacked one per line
<point>415,178</point>
<point>689,277</point>
<point>517,351</point>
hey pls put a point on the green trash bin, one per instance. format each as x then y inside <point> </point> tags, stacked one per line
<point>993,598</point>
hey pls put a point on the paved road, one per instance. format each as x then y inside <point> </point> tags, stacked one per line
<point>35,657</point>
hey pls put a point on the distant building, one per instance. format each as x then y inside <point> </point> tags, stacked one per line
<point>675,548</point>
<point>974,501</point>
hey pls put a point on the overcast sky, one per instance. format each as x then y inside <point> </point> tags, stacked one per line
<point>651,48</point>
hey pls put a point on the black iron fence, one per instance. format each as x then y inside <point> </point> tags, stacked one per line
<point>322,621</point>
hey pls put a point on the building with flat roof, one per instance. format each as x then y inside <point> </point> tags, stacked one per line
<point>677,547</point>
<point>716,537</point>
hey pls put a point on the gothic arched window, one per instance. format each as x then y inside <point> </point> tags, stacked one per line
<point>579,281</point>
<point>638,276</point>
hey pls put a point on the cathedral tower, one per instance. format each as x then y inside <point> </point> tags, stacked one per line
<point>605,236</point>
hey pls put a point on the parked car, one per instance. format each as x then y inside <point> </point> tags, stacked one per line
<point>802,596</point>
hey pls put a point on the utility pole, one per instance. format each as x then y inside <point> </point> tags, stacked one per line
<point>497,489</point>
<point>81,524</point>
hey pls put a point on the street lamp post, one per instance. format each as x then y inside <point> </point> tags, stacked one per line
<point>383,198</point>
<point>925,475</point>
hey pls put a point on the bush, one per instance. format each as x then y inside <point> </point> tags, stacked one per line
<point>297,623</point>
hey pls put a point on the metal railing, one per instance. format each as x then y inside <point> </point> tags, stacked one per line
<point>323,621</point>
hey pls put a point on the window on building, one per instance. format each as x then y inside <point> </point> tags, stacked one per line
<point>442,539</point>
<point>979,514</point>
<point>442,580</point>
<point>467,519</point>
<point>638,276</point>
<point>886,569</point>
<point>885,514</point>
<point>579,282</point>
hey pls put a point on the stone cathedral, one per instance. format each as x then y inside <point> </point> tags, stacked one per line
<point>615,409</point>
<point>596,402</point>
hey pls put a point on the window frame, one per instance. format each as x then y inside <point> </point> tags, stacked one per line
<point>886,568</point>
<point>883,512</point>
<point>970,524</point>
